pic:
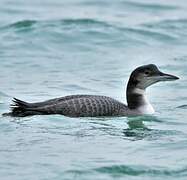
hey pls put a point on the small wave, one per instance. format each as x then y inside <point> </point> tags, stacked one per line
<point>130,4</point>
<point>172,28</point>
<point>132,170</point>
<point>84,22</point>
<point>30,23</point>
<point>138,31</point>
<point>149,34</point>
<point>139,133</point>
<point>141,170</point>
<point>182,106</point>
<point>23,24</point>
<point>150,6</point>
<point>168,24</point>
<point>93,30</point>
<point>20,26</point>
<point>94,3</point>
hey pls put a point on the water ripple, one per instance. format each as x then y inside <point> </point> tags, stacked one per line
<point>22,24</point>
<point>130,4</point>
<point>170,24</point>
<point>171,27</point>
<point>150,6</point>
<point>184,106</point>
<point>91,30</point>
<point>141,170</point>
<point>65,22</point>
<point>132,170</point>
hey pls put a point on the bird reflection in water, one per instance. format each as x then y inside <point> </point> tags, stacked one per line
<point>137,129</point>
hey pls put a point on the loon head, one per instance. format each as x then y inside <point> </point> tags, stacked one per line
<point>141,78</point>
<point>144,76</point>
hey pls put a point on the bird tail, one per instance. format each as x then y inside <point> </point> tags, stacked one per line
<point>21,108</point>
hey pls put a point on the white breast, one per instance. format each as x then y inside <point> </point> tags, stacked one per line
<point>146,108</point>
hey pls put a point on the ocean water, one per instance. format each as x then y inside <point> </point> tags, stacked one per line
<point>55,48</point>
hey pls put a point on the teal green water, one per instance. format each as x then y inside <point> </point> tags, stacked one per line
<point>55,48</point>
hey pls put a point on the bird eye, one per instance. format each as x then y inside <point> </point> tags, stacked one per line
<point>146,72</point>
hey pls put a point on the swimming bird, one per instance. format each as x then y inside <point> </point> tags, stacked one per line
<point>99,106</point>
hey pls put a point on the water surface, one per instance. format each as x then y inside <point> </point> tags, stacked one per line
<point>55,48</point>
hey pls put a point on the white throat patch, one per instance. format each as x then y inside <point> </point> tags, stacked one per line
<point>146,107</point>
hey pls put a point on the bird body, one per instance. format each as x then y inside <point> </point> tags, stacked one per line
<point>99,106</point>
<point>73,106</point>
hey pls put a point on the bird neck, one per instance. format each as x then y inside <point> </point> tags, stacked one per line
<point>137,100</point>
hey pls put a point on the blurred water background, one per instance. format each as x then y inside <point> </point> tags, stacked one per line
<point>52,48</point>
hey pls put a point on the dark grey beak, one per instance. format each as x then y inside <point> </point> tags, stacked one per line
<point>167,77</point>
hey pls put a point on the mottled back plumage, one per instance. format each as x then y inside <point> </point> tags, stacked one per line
<point>73,106</point>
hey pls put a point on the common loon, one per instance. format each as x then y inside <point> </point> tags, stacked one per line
<point>94,105</point>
